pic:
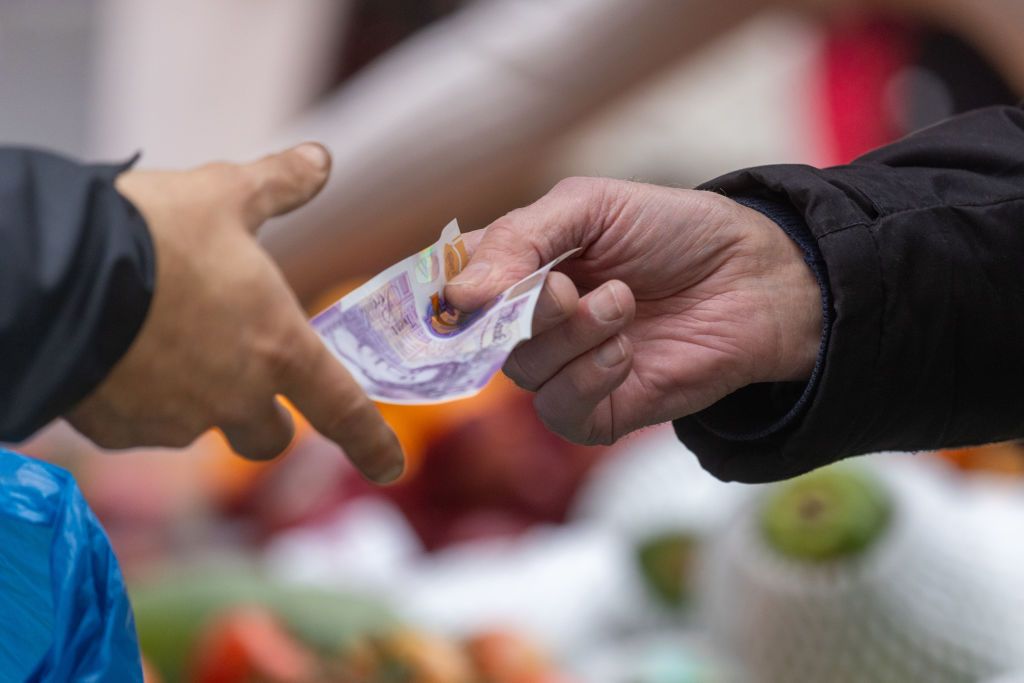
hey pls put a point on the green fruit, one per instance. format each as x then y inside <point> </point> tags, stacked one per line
<point>829,514</point>
<point>170,614</point>
<point>665,561</point>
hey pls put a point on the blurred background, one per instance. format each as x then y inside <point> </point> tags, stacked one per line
<point>506,555</point>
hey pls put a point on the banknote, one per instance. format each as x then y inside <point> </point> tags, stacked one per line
<point>403,343</point>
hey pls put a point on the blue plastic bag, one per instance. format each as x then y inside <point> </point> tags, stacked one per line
<point>64,612</point>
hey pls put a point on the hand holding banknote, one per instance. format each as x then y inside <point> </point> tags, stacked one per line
<point>404,343</point>
<point>687,297</point>
<point>225,336</point>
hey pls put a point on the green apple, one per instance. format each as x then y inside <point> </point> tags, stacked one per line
<point>665,562</point>
<point>829,514</point>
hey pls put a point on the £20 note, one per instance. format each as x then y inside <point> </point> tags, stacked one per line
<point>403,344</point>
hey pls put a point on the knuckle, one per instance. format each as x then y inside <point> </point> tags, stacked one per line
<point>261,188</point>
<point>576,185</point>
<point>593,203</point>
<point>234,411</point>
<point>347,414</point>
<point>506,229</point>
<point>581,332</point>
<point>593,192</point>
<point>282,358</point>
<point>516,371</point>
<point>250,187</point>
<point>558,423</point>
<point>278,184</point>
<point>516,233</point>
<point>581,384</point>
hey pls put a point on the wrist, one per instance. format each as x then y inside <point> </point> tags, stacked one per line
<point>792,293</point>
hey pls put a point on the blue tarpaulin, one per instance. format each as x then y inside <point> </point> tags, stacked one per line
<point>64,612</point>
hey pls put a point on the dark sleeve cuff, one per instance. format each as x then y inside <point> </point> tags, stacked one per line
<point>78,275</point>
<point>923,243</point>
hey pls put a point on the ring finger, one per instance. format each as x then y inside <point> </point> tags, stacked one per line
<point>599,316</point>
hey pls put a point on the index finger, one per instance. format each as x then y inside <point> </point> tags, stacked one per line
<point>570,215</point>
<point>323,390</point>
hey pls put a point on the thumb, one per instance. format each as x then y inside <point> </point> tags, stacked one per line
<point>283,182</point>
<point>515,245</point>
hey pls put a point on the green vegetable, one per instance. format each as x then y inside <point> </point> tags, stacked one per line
<point>170,614</point>
<point>665,562</point>
<point>829,514</point>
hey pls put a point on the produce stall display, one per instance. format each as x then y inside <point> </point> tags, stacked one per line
<point>509,556</point>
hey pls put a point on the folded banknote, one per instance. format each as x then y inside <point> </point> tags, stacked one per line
<point>404,344</point>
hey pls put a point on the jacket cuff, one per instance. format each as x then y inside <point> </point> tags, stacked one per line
<point>761,410</point>
<point>921,239</point>
<point>84,264</point>
<point>131,280</point>
<point>122,267</point>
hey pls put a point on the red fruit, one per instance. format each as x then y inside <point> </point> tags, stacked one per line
<point>502,464</point>
<point>249,643</point>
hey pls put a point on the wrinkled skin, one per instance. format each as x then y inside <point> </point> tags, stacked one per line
<point>687,297</point>
<point>225,336</point>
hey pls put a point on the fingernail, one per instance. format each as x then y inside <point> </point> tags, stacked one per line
<point>610,354</point>
<point>391,474</point>
<point>474,274</point>
<point>605,305</point>
<point>396,462</point>
<point>315,155</point>
<point>549,307</point>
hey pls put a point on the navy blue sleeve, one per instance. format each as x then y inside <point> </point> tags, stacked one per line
<point>77,271</point>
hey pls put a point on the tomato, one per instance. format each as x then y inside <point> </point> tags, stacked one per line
<point>248,643</point>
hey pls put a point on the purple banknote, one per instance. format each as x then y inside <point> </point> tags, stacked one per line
<point>403,345</point>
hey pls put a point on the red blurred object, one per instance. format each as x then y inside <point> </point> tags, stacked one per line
<point>862,57</point>
<point>303,487</point>
<point>248,644</point>
<point>483,468</point>
<point>494,474</point>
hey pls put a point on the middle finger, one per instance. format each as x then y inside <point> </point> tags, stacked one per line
<point>600,315</point>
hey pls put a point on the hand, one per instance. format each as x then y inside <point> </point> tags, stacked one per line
<point>224,334</point>
<point>688,296</point>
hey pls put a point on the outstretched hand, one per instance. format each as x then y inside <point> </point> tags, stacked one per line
<point>677,299</point>
<point>225,336</point>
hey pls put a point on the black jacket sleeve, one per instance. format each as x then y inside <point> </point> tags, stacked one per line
<point>77,272</point>
<point>922,245</point>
